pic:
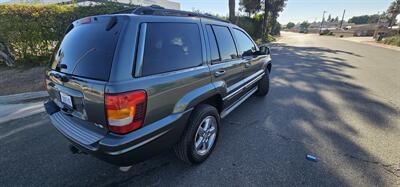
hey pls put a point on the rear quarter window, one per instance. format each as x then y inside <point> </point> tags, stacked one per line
<point>170,47</point>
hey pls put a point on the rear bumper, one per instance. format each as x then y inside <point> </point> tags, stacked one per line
<point>122,150</point>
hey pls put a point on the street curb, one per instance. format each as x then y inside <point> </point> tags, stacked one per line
<point>16,98</point>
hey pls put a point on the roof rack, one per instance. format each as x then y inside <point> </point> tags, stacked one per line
<point>160,11</point>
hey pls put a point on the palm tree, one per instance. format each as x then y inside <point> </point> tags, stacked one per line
<point>267,8</point>
<point>232,10</point>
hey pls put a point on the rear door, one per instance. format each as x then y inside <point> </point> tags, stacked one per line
<point>226,67</point>
<point>81,67</point>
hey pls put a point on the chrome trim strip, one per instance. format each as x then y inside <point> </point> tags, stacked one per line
<point>140,51</point>
<point>237,103</point>
<point>246,85</point>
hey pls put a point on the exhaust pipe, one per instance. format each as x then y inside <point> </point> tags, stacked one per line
<point>75,150</point>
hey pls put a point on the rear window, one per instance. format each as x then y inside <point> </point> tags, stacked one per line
<point>87,50</point>
<point>170,47</point>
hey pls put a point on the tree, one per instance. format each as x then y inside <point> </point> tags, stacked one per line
<point>267,9</point>
<point>271,13</point>
<point>374,18</point>
<point>276,29</point>
<point>290,25</point>
<point>329,18</point>
<point>393,11</point>
<point>250,6</point>
<point>365,19</point>
<point>359,19</point>
<point>277,6</point>
<point>232,10</point>
<point>336,19</point>
<point>304,25</point>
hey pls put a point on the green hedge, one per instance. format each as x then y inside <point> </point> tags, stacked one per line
<point>32,31</point>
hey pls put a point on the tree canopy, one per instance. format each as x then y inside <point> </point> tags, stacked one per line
<point>250,6</point>
<point>290,25</point>
<point>365,19</point>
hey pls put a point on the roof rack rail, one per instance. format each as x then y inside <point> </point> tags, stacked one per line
<point>160,11</point>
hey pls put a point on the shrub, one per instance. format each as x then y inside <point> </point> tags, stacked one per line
<point>394,40</point>
<point>251,25</point>
<point>269,39</point>
<point>32,31</point>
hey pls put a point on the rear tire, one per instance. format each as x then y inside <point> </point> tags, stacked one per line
<point>196,134</point>
<point>263,85</point>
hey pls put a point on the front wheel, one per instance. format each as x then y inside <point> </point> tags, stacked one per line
<point>200,136</point>
<point>263,85</point>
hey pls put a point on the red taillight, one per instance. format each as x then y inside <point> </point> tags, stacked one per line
<point>125,111</point>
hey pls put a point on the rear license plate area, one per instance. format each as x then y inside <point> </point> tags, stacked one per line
<point>66,99</point>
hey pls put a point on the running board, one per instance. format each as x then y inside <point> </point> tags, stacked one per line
<point>238,102</point>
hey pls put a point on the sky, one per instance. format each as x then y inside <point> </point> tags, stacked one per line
<point>299,10</point>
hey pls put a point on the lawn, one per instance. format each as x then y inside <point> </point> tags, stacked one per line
<point>21,79</point>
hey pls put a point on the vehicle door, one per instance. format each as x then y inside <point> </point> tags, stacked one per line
<point>225,65</point>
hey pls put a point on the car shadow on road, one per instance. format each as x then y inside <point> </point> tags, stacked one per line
<point>314,105</point>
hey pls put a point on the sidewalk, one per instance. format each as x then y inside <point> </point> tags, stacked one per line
<point>10,112</point>
<point>21,105</point>
<point>22,97</point>
<point>370,41</point>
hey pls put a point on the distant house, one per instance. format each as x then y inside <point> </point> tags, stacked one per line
<point>163,3</point>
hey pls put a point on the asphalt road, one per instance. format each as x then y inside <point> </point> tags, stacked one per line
<point>335,99</point>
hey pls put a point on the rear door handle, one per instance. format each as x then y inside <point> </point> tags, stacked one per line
<point>247,65</point>
<point>219,73</point>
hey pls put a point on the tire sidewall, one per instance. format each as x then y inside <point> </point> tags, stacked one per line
<point>263,85</point>
<point>194,156</point>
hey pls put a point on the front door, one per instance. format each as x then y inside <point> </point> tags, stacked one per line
<point>246,48</point>
<point>226,67</point>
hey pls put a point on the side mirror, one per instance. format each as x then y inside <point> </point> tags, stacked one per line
<point>264,50</point>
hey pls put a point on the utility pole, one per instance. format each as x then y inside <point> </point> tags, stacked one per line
<point>322,22</point>
<point>341,23</point>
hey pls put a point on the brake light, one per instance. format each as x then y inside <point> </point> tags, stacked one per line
<point>85,20</point>
<point>125,111</point>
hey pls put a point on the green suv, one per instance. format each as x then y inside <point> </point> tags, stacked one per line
<point>124,87</point>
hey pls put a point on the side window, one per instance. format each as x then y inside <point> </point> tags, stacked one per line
<point>213,45</point>
<point>245,45</point>
<point>225,41</point>
<point>170,47</point>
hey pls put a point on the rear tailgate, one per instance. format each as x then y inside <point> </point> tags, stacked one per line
<point>86,97</point>
<point>81,68</point>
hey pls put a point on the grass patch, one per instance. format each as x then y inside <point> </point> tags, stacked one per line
<point>21,78</point>
<point>393,40</point>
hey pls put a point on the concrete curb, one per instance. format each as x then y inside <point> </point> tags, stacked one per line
<point>16,98</point>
